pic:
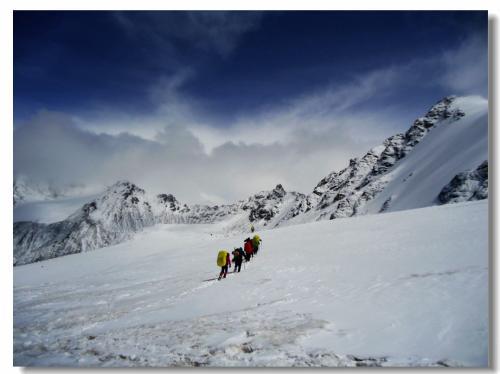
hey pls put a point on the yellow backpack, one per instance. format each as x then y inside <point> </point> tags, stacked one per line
<point>221,258</point>
<point>256,241</point>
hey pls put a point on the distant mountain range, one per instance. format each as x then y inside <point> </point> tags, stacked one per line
<point>442,158</point>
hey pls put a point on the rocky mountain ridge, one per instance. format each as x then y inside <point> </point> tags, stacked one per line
<point>342,194</point>
<point>360,188</point>
<point>124,209</point>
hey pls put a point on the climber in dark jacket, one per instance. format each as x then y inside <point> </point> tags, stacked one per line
<point>237,259</point>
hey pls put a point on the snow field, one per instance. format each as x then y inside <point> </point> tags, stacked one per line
<point>407,288</point>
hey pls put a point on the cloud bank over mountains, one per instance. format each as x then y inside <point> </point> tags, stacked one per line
<point>176,150</point>
<point>185,147</point>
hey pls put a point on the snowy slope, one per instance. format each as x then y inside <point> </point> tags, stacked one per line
<point>403,288</point>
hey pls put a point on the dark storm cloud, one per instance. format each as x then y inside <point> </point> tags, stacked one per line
<point>218,31</point>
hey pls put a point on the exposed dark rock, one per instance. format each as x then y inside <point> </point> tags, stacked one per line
<point>466,186</point>
<point>386,205</point>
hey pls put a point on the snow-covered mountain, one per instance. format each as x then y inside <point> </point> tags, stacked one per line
<point>263,209</point>
<point>432,163</point>
<point>271,208</point>
<point>408,170</point>
<point>168,210</point>
<point>111,218</point>
<point>124,209</point>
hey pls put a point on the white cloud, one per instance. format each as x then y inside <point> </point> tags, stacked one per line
<point>466,67</point>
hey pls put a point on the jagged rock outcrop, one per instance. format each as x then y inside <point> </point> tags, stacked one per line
<point>270,208</point>
<point>169,202</point>
<point>210,214</point>
<point>440,111</point>
<point>467,186</point>
<point>262,206</point>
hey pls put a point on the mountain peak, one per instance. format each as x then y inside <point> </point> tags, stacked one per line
<point>168,201</point>
<point>166,198</point>
<point>279,190</point>
<point>442,109</point>
<point>122,184</point>
<point>123,188</point>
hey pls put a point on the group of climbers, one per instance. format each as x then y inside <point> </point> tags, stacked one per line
<point>250,248</point>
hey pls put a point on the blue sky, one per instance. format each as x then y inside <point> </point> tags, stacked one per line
<point>306,87</point>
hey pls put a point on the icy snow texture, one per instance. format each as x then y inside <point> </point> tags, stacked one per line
<point>407,288</point>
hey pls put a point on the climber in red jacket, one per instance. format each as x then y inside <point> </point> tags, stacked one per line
<point>248,249</point>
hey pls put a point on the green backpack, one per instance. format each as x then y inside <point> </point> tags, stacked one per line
<point>221,258</point>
